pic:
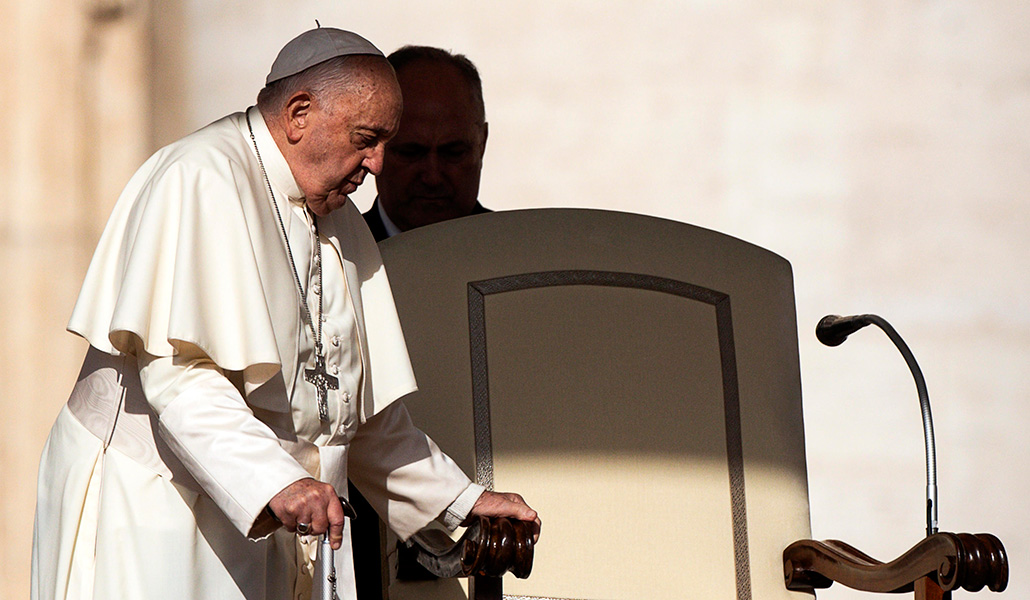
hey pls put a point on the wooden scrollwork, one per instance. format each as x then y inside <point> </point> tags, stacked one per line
<point>489,547</point>
<point>948,560</point>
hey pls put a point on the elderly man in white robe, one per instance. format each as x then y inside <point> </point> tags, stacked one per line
<point>245,358</point>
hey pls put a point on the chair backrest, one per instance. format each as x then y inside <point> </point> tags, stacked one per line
<point>636,379</point>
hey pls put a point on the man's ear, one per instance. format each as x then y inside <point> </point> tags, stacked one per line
<point>482,149</point>
<point>298,110</point>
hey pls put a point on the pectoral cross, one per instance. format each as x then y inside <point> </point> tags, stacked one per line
<point>323,382</point>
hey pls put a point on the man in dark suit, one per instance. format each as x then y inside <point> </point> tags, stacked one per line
<point>431,168</point>
<point>430,174</point>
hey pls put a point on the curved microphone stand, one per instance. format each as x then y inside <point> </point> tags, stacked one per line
<point>939,563</point>
<point>832,330</point>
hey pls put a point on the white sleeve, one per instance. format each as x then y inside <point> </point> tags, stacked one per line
<point>234,457</point>
<point>459,510</point>
<point>404,475</point>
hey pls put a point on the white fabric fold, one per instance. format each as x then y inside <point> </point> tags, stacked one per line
<point>193,253</point>
<point>237,460</point>
<point>459,510</point>
<point>177,263</point>
<point>406,478</point>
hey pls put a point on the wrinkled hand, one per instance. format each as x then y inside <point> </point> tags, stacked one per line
<point>506,504</point>
<point>313,502</point>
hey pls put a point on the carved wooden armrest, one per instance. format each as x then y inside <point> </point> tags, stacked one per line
<point>942,561</point>
<point>489,547</point>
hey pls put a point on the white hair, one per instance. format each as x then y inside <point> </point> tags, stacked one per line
<point>324,81</point>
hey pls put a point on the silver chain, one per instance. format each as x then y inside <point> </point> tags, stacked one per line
<point>317,333</point>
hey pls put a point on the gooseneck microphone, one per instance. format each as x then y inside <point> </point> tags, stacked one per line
<point>832,330</point>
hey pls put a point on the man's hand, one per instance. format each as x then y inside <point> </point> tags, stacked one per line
<point>506,504</point>
<point>312,502</point>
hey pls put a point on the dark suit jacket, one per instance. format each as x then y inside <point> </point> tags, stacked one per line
<point>375,224</point>
<point>365,528</point>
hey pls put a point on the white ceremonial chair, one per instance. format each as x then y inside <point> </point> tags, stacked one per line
<point>637,381</point>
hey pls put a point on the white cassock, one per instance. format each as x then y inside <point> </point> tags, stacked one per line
<point>191,410</point>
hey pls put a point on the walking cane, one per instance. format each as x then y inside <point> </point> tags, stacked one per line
<point>324,585</point>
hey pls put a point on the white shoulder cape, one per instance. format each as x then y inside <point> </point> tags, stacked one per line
<point>193,253</point>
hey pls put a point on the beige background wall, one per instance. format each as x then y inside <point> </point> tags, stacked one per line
<point>882,147</point>
<point>75,111</point>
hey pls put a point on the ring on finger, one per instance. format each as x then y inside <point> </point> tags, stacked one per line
<point>303,528</point>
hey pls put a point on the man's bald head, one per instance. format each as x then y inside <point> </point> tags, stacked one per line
<point>409,55</point>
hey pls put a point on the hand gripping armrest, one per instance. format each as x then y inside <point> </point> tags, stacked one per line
<point>946,560</point>
<point>489,547</point>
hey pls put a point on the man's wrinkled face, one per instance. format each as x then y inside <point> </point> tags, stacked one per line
<point>432,166</point>
<point>346,141</point>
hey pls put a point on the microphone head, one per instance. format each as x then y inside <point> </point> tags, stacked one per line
<point>832,330</point>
